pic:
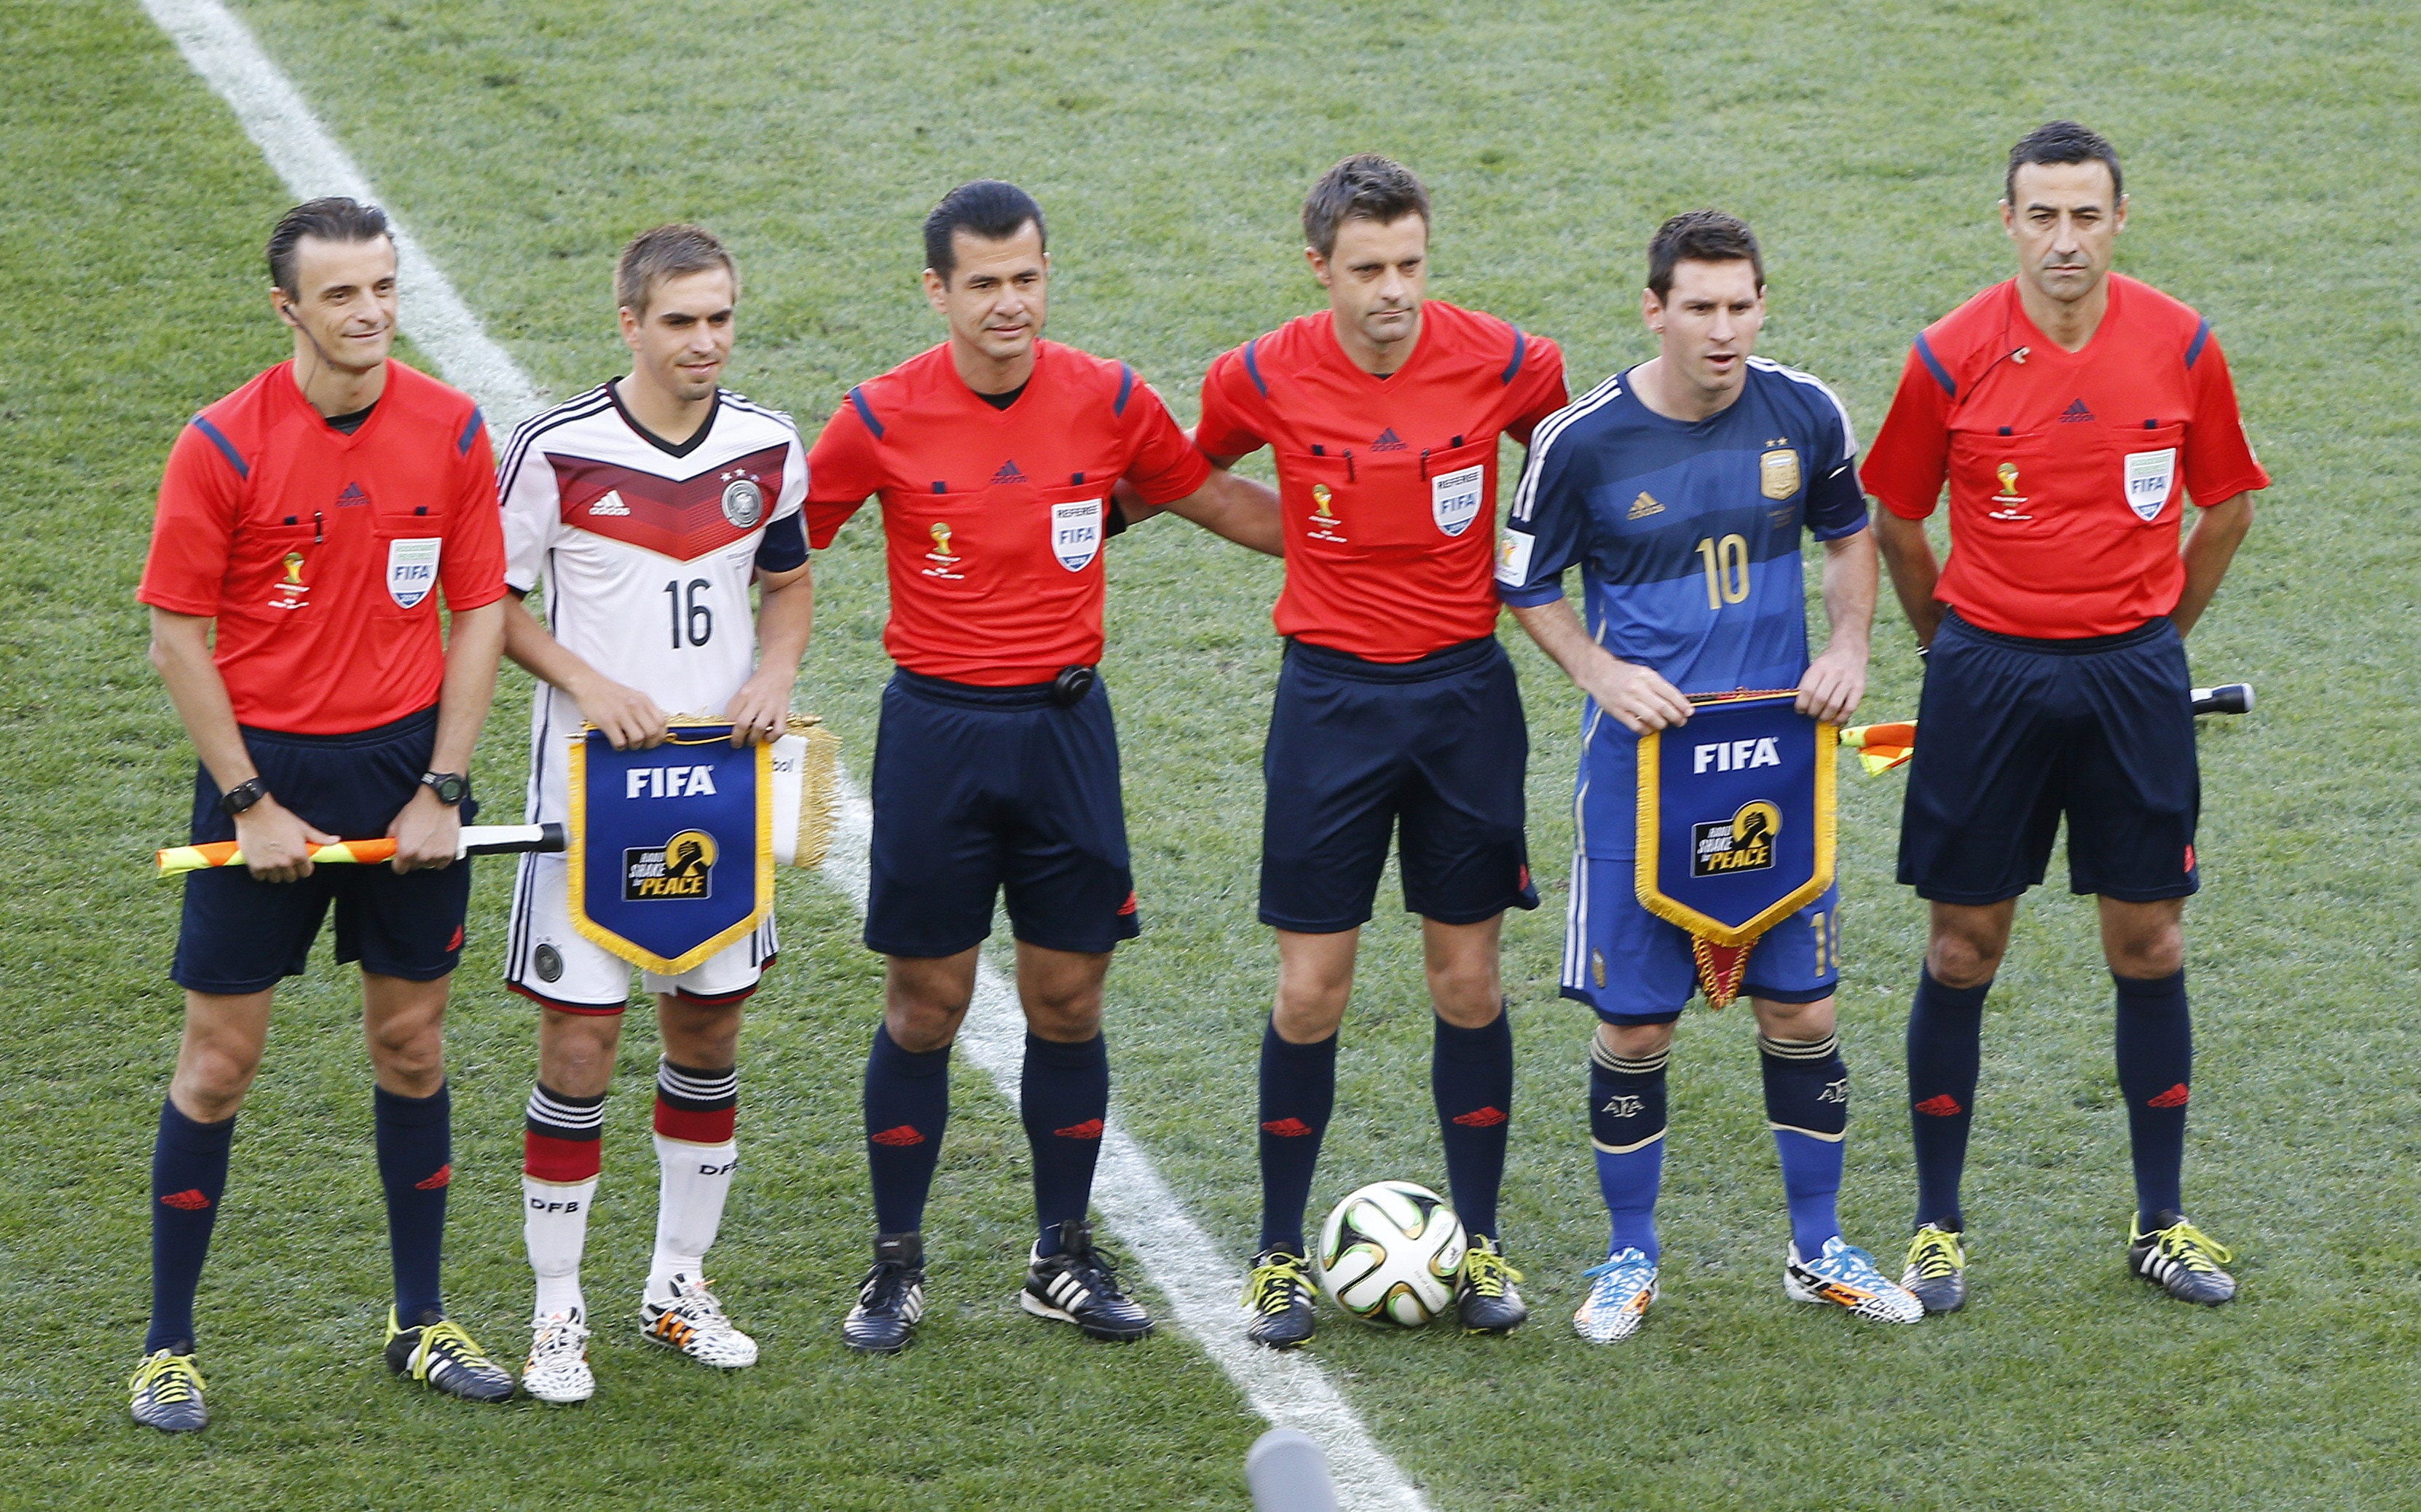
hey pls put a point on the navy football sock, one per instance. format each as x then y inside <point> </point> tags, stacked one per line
<point>1471,1079</point>
<point>1627,1129</point>
<point>415,1162</point>
<point>1298,1094</point>
<point>1063,1097</point>
<point>2155,1046</point>
<point>189,1166</point>
<point>907,1107</point>
<point>1807,1102</point>
<point>1946,1046</point>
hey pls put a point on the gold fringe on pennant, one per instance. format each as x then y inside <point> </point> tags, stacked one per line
<point>819,788</point>
<point>1720,969</point>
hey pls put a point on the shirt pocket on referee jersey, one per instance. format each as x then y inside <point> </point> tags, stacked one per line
<point>273,571</point>
<point>409,541</point>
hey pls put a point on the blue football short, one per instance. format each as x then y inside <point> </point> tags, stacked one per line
<point>1633,967</point>
<point>240,935</point>
<point>2013,733</point>
<point>983,790</point>
<point>1431,752</point>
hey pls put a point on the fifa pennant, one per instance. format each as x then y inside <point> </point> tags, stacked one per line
<point>671,849</point>
<point>1736,825</point>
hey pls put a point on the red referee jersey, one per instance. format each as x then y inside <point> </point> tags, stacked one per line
<point>993,518</point>
<point>2068,471</point>
<point>1389,484</point>
<point>322,556</point>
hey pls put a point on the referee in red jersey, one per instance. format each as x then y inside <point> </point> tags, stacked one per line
<point>308,525</point>
<point>996,456</point>
<point>2074,415</point>
<point>1396,713</point>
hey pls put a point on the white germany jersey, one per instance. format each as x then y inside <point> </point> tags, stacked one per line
<point>643,553</point>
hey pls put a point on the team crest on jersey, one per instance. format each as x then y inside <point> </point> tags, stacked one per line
<point>744,503</point>
<point>2151,477</point>
<point>1745,842</point>
<point>1076,533</point>
<point>682,867</point>
<point>1455,498</point>
<point>1777,472</point>
<point>412,569</point>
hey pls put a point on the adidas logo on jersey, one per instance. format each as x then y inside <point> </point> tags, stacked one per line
<point>1007,473</point>
<point>2075,411</point>
<point>1388,441</point>
<point>352,497</point>
<point>1644,506</point>
<point>610,505</point>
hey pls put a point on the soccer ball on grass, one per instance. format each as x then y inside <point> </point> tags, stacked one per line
<point>1389,1254</point>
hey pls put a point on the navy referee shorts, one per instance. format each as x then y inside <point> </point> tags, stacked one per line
<point>1430,752</point>
<point>240,935</point>
<point>2015,732</point>
<point>982,791</point>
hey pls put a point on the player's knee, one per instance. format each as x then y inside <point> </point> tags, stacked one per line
<point>2160,953</point>
<point>1795,1021</point>
<point>410,1050</point>
<point>576,1051</point>
<point>1958,959</point>
<point>211,1081</point>
<point>1636,1041</point>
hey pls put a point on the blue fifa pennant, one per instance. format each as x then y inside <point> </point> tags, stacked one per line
<point>671,850</point>
<point>1736,825</point>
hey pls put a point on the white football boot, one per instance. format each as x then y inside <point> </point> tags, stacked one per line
<point>691,1320</point>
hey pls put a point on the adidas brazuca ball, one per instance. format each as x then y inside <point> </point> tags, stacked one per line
<point>1389,1254</point>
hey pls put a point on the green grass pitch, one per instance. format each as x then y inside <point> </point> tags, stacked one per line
<point>2270,150</point>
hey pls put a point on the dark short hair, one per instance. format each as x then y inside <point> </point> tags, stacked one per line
<point>1364,186</point>
<point>332,219</point>
<point>987,210</point>
<point>1700,236</point>
<point>667,251</point>
<point>2063,141</point>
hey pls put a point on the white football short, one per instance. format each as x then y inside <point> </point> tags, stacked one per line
<point>548,959</point>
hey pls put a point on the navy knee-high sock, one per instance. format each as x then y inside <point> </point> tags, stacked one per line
<point>1627,1130</point>
<point>415,1162</point>
<point>1807,1102</point>
<point>1298,1094</point>
<point>1471,1077</point>
<point>1062,1098</point>
<point>907,1107</point>
<point>2155,1045</point>
<point>189,1167</point>
<point>1946,1046</point>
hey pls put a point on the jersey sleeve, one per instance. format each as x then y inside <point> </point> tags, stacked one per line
<point>471,568</point>
<point>783,548</point>
<point>533,514</point>
<point>1227,428</point>
<point>844,469</point>
<point>1162,465</point>
<point>193,526</point>
<point>1837,505</point>
<point>1911,457</point>
<point>2219,461</point>
<point>1546,531</point>
<point>1538,385</point>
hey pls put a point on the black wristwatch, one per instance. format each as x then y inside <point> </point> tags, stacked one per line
<point>451,787</point>
<point>242,796</point>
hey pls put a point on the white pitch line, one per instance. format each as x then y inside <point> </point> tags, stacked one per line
<point>1288,1390</point>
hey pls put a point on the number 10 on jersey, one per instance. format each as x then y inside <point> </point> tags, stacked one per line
<point>1727,565</point>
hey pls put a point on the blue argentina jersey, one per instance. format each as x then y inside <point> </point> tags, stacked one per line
<point>1687,536</point>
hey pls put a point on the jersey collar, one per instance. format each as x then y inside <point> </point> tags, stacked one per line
<point>614,391</point>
